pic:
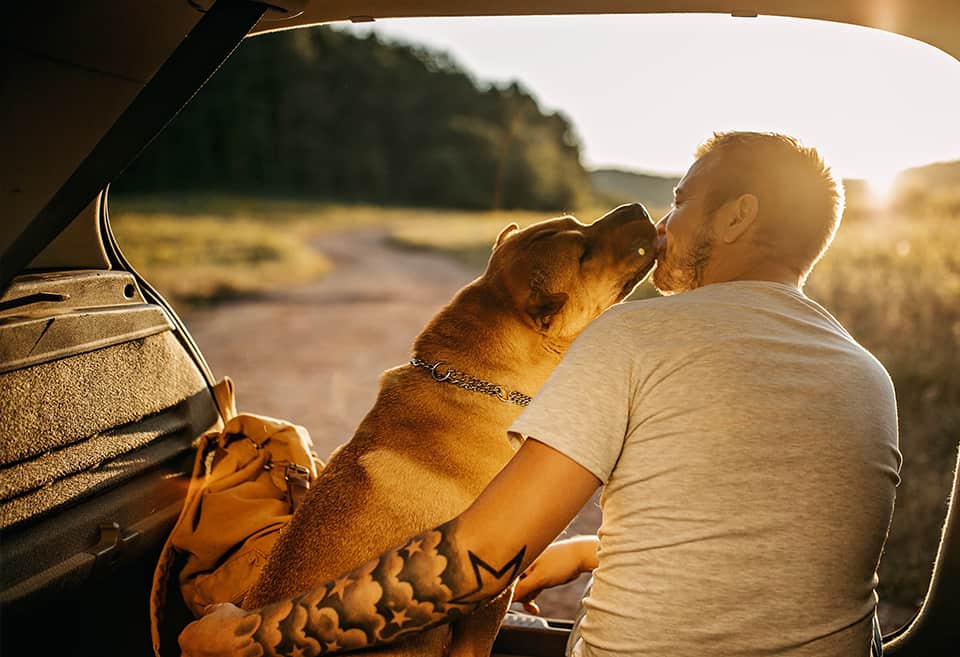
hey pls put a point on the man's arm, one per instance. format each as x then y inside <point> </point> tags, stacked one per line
<point>435,577</point>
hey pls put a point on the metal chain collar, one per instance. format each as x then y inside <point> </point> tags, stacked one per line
<point>469,382</point>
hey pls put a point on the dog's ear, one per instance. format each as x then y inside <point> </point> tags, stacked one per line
<point>504,234</point>
<point>542,307</point>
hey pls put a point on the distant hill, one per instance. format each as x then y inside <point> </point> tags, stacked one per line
<point>912,186</point>
<point>614,186</point>
<point>621,186</point>
<point>933,189</point>
<point>937,174</point>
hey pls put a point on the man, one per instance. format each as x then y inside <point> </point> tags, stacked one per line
<point>746,443</point>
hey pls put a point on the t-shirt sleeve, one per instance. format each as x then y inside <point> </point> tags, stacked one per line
<point>583,409</point>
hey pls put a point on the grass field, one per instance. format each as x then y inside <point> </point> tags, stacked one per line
<point>207,249</point>
<point>893,281</point>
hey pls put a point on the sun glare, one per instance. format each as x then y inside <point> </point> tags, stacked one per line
<point>880,186</point>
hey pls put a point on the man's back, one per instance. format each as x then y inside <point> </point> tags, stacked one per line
<point>748,448</point>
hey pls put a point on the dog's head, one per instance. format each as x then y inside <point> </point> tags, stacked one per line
<point>561,274</point>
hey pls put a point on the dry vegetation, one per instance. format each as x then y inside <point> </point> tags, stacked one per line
<point>893,280</point>
<point>894,283</point>
<point>216,249</point>
<point>205,249</point>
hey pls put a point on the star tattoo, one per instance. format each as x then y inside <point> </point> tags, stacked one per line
<point>413,547</point>
<point>482,568</point>
<point>339,587</point>
<point>400,617</point>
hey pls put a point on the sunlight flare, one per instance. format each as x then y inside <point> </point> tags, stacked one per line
<point>880,186</point>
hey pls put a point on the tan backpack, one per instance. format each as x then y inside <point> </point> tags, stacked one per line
<point>248,479</point>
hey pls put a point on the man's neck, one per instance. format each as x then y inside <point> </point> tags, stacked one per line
<point>758,271</point>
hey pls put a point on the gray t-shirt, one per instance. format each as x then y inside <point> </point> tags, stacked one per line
<point>748,450</point>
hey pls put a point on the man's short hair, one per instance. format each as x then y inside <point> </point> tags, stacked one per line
<point>800,201</point>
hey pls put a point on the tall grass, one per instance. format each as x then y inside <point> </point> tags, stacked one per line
<point>212,249</point>
<point>894,283</point>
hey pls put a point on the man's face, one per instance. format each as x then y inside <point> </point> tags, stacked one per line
<point>686,234</point>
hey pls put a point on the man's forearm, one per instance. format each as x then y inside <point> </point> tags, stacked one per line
<point>429,581</point>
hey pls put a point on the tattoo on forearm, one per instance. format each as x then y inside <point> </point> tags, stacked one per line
<point>484,573</point>
<point>405,591</point>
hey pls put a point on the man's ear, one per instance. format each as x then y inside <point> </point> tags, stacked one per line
<point>739,217</point>
<point>542,307</point>
<point>504,234</point>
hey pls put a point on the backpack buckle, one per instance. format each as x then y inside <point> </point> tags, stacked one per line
<point>298,483</point>
<point>295,472</point>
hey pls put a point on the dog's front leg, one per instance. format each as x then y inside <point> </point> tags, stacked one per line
<point>473,636</point>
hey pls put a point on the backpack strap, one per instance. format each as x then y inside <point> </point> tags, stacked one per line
<point>223,395</point>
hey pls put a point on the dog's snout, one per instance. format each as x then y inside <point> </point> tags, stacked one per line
<point>625,214</point>
<point>634,212</point>
<point>642,210</point>
<point>626,226</point>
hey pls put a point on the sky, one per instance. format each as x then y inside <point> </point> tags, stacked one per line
<point>643,91</point>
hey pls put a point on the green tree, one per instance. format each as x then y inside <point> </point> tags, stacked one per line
<point>327,114</point>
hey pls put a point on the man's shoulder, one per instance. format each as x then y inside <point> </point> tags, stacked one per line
<point>869,365</point>
<point>639,325</point>
<point>654,310</point>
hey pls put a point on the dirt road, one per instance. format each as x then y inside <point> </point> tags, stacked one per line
<point>314,354</point>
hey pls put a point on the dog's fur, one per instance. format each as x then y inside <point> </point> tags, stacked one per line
<point>426,450</point>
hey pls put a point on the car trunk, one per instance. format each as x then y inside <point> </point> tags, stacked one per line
<point>102,396</point>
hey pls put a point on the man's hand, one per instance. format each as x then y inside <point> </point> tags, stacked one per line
<point>224,631</point>
<point>560,563</point>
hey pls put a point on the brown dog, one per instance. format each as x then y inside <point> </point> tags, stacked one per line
<point>427,448</point>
